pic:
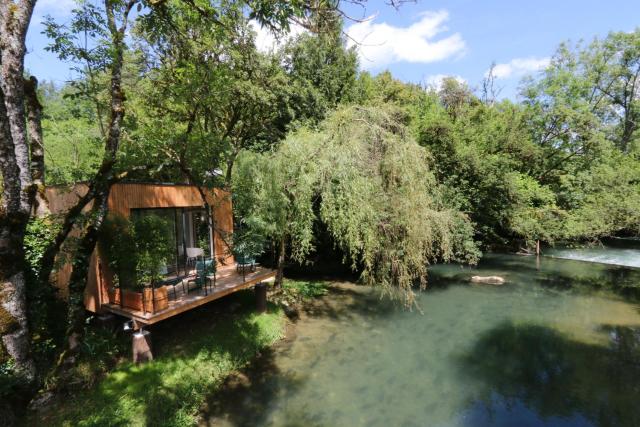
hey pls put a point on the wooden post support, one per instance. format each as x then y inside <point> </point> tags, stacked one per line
<point>261,297</point>
<point>141,346</point>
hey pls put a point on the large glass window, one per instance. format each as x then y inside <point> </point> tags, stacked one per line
<point>188,230</point>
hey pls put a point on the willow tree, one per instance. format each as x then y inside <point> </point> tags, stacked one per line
<point>382,204</point>
<point>369,182</point>
<point>274,195</point>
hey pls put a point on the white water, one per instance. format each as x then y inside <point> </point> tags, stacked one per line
<point>604,255</point>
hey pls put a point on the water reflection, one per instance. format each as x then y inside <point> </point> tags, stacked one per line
<point>533,372</point>
<point>553,347</point>
<point>547,272</point>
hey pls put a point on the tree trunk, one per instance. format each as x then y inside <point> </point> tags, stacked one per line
<point>104,177</point>
<point>628,129</point>
<point>229,174</point>
<point>77,284</point>
<point>70,220</point>
<point>13,302</point>
<point>81,262</point>
<point>99,190</point>
<point>281,259</point>
<point>36,144</point>
<point>17,185</point>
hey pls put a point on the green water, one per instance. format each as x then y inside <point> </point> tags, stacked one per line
<point>558,345</point>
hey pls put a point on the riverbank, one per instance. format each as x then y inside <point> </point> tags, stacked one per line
<point>195,354</point>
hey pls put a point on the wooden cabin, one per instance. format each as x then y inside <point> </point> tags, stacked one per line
<point>195,237</point>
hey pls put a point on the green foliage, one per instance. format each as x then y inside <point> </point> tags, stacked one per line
<point>152,235</point>
<point>482,155</point>
<point>248,243</point>
<point>189,366</point>
<point>274,193</point>
<point>321,71</point>
<point>136,249</point>
<point>117,243</point>
<point>604,199</point>
<point>295,292</point>
<point>304,289</point>
<point>583,114</point>
<point>385,89</point>
<point>100,350</point>
<point>370,184</point>
<point>555,167</point>
<point>46,308</point>
<point>39,234</point>
<point>73,143</point>
<point>381,201</point>
<point>560,165</point>
<point>534,214</point>
<point>211,95</point>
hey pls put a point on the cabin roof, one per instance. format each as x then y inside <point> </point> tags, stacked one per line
<point>132,182</point>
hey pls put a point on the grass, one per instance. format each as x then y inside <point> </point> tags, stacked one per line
<point>195,353</point>
<point>297,291</point>
<point>306,289</point>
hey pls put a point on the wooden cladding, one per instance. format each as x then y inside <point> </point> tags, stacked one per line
<point>125,197</point>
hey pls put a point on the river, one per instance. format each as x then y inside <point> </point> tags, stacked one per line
<point>557,345</point>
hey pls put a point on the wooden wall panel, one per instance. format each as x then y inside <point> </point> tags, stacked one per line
<point>125,197</point>
<point>222,216</point>
<point>62,198</point>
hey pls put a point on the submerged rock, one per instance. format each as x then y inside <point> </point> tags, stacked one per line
<point>488,280</point>
<point>291,312</point>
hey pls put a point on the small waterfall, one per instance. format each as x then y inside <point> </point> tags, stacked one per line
<point>628,257</point>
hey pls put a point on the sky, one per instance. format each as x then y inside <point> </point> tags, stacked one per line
<point>423,41</point>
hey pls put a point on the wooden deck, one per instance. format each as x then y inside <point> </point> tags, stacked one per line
<point>227,282</point>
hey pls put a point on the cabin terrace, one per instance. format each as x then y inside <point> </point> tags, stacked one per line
<point>201,267</point>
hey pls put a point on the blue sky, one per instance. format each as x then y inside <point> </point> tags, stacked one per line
<point>428,39</point>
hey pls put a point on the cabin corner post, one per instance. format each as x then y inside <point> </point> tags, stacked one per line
<point>210,226</point>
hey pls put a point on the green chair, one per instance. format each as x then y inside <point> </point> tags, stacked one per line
<point>204,269</point>
<point>245,251</point>
<point>244,263</point>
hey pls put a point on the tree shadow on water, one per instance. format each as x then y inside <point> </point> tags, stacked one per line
<point>247,397</point>
<point>532,375</point>
<point>344,303</point>
<point>250,397</point>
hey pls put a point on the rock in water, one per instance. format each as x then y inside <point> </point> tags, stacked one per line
<point>488,280</point>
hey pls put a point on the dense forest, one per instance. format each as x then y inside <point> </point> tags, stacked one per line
<point>394,175</point>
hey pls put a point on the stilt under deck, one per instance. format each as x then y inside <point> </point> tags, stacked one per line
<point>228,280</point>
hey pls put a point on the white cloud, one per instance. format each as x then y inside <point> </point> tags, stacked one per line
<point>382,44</point>
<point>519,67</point>
<point>266,41</point>
<point>435,81</point>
